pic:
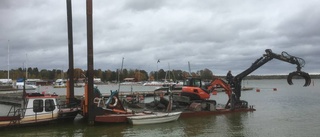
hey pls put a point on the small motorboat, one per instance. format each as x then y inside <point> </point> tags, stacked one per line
<point>153,118</point>
<point>27,85</point>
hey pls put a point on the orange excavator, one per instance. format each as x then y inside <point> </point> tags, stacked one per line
<point>194,88</point>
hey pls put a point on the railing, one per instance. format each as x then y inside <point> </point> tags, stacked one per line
<point>37,115</point>
<point>14,115</point>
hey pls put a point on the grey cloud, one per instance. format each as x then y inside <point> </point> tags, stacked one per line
<point>209,34</point>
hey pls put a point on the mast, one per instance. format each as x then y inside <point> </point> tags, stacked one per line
<point>8,61</point>
<point>119,74</point>
<point>189,68</point>
<point>169,71</point>
<point>26,66</point>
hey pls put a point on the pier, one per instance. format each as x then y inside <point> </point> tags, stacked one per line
<point>15,97</point>
<point>11,98</point>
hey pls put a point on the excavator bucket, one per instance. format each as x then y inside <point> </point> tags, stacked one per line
<point>305,75</point>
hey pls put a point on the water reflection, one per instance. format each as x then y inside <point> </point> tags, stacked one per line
<point>198,125</point>
<point>235,124</point>
<point>289,111</point>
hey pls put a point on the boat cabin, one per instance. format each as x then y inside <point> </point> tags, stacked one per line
<point>41,106</point>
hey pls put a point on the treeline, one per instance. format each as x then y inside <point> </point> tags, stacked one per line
<point>105,75</point>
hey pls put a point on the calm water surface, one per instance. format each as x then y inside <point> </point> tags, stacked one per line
<point>290,111</point>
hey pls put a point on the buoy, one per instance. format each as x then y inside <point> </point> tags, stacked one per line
<point>274,89</point>
<point>257,90</point>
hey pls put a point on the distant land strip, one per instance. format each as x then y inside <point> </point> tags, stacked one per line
<point>254,77</point>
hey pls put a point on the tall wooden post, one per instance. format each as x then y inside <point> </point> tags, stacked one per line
<point>91,113</point>
<point>70,90</point>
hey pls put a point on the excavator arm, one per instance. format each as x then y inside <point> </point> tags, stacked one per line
<point>284,56</point>
<point>227,88</point>
<point>219,82</point>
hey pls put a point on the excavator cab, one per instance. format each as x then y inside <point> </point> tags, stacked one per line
<point>193,82</point>
<point>192,88</point>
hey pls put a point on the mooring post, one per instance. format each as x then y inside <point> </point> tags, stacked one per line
<point>91,113</point>
<point>70,85</point>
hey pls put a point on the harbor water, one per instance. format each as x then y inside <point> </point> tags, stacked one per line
<point>281,111</point>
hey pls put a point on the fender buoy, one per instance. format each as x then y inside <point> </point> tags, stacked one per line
<point>96,100</point>
<point>115,100</point>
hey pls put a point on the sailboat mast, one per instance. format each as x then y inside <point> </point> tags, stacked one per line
<point>26,66</point>
<point>8,61</point>
<point>189,68</point>
<point>119,75</point>
<point>169,71</point>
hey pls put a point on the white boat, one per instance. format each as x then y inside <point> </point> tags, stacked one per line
<point>30,84</point>
<point>154,118</point>
<point>153,83</point>
<point>166,83</point>
<point>60,83</point>
<point>38,108</point>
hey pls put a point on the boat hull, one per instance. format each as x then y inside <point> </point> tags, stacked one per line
<point>14,121</point>
<point>9,118</point>
<point>112,118</point>
<point>154,118</point>
<point>68,114</point>
<point>124,118</point>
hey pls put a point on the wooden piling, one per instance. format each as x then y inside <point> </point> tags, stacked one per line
<point>91,114</point>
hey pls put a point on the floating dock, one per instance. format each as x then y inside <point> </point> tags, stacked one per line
<point>15,97</point>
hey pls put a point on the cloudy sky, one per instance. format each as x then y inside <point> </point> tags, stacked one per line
<point>220,35</point>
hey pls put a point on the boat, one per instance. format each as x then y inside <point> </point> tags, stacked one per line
<point>38,108</point>
<point>29,84</point>
<point>6,85</point>
<point>164,84</point>
<point>110,109</point>
<point>134,101</point>
<point>154,118</point>
<point>60,83</point>
<point>191,108</point>
<point>246,88</point>
<point>153,83</point>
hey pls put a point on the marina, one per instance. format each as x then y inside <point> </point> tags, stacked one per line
<point>279,113</point>
<point>128,102</point>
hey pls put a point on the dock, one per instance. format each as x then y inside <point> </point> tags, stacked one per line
<point>15,97</point>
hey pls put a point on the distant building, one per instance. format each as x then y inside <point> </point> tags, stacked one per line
<point>97,80</point>
<point>129,80</point>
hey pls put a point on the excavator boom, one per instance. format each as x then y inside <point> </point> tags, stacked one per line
<point>284,56</point>
<point>194,90</point>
